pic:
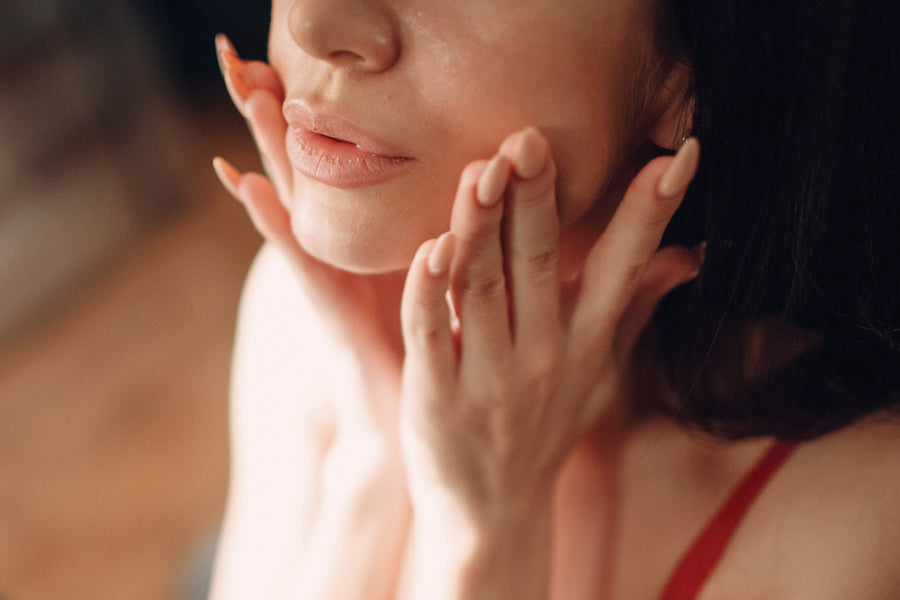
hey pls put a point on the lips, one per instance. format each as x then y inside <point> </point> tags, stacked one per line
<point>332,150</point>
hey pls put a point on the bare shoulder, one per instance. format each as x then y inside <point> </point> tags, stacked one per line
<point>828,525</point>
<point>281,355</point>
<point>280,428</point>
<point>847,486</point>
<point>860,464</point>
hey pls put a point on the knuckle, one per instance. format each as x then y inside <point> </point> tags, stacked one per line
<point>534,193</point>
<point>484,287</point>
<point>544,364</point>
<point>422,326</point>
<point>655,218</point>
<point>498,389</point>
<point>478,231</point>
<point>631,274</point>
<point>428,335</point>
<point>544,262</point>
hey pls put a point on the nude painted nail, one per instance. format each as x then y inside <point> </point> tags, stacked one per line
<point>228,175</point>
<point>700,251</point>
<point>234,70</point>
<point>682,169</point>
<point>232,67</point>
<point>530,153</point>
<point>223,42</point>
<point>230,63</point>
<point>493,181</point>
<point>441,255</point>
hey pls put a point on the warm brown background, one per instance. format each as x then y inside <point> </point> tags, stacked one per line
<point>113,407</point>
<point>121,262</point>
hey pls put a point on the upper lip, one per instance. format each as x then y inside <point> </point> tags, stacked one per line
<point>301,115</point>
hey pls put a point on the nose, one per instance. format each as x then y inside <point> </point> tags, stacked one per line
<point>353,33</point>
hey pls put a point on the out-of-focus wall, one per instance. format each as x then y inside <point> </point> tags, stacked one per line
<point>90,143</point>
<point>121,261</point>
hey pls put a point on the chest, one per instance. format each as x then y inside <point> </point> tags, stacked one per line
<point>623,519</point>
<point>614,535</point>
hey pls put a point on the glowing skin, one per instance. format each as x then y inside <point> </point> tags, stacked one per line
<point>381,127</point>
<point>435,85</point>
<point>455,463</point>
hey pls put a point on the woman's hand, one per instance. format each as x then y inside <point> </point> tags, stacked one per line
<point>490,411</point>
<point>348,304</point>
<point>345,300</point>
<point>360,524</point>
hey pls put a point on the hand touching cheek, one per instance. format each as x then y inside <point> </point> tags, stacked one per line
<point>491,411</point>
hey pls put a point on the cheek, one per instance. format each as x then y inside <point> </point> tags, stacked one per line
<point>580,122</point>
<point>478,91</point>
<point>282,49</point>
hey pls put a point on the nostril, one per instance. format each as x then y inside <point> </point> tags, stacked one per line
<point>345,33</point>
<point>346,57</point>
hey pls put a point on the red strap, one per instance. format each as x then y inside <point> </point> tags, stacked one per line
<point>701,559</point>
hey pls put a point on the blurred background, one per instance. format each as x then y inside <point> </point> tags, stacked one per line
<point>121,262</point>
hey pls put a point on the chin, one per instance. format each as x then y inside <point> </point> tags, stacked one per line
<point>363,232</point>
<point>358,250</point>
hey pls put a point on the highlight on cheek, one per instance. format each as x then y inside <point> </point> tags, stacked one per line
<point>492,380</point>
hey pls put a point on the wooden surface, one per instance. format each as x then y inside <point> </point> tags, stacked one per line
<point>113,409</point>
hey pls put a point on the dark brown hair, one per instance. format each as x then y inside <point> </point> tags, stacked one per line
<point>798,197</point>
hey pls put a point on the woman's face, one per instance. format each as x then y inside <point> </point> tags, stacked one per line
<point>420,88</point>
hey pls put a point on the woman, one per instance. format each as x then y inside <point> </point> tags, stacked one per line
<point>539,436</point>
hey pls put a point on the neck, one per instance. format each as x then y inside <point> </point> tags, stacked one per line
<point>385,293</point>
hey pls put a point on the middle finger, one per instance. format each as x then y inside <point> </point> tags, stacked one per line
<point>477,281</point>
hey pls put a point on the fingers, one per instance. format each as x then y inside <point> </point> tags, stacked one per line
<point>478,283</point>
<point>256,91</point>
<point>616,264</point>
<point>531,234</point>
<point>269,129</point>
<point>505,280</point>
<point>266,212</point>
<point>241,77</point>
<point>260,76</point>
<point>669,268</point>
<point>260,199</point>
<point>232,68</point>
<point>425,316</point>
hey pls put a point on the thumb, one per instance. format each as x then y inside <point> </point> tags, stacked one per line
<point>669,268</point>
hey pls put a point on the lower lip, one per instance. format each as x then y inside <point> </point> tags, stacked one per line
<point>340,164</point>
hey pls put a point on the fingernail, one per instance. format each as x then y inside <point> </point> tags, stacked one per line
<point>700,252</point>
<point>493,181</point>
<point>441,255</point>
<point>228,175</point>
<point>229,64</point>
<point>681,170</point>
<point>224,43</point>
<point>530,153</point>
<point>232,66</point>
<point>234,71</point>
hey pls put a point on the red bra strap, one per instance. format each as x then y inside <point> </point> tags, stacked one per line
<point>699,562</point>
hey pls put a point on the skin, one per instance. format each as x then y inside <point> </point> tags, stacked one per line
<point>447,88</point>
<point>430,460</point>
